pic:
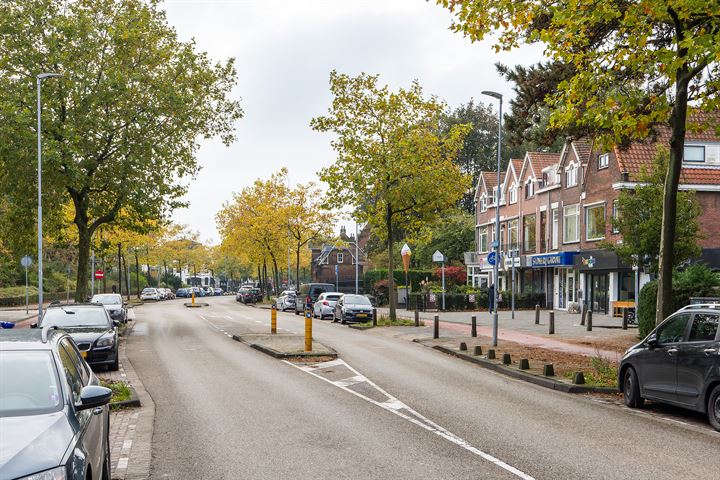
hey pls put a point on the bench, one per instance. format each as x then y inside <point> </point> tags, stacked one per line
<point>620,305</point>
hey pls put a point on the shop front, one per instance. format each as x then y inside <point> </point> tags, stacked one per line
<point>604,279</point>
<point>558,278</point>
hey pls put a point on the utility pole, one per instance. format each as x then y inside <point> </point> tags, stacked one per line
<point>120,268</point>
<point>357,262</point>
<point>92,274</point>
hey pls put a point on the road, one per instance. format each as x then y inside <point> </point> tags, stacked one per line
<point>226,411</point>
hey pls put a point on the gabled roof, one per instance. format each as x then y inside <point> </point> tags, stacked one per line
<point>512,172</point>
<point>488,181</point>
<point>538,161</point>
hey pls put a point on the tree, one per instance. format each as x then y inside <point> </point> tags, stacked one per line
<point>394,166</point>
<point>640,219</point>
<point>121,127</point>
<point>637,65</point>
<point>453,235</point>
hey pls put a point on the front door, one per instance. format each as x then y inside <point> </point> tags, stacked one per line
<point>658,366</point>
<point>599,293</point>
<point>697,358</point>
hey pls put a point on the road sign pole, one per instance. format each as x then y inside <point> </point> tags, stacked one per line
<point>92,276</point>
<point>27,298</point>
<point>443,285</point>
<point>512,293</point>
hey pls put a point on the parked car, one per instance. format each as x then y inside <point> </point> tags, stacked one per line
<point>54,416</point>
<point>286,300</point>
<point>199,292</point>
<point>209,291</point>
<point>182,293</point>
<point>352,308</point>
<point>309,293</point>
<point>257,295</point>
<point>677,363</point>
<point>90,327</point>
<point>219,292</point>
<point>169,295</point>
<point>325,305</point>
<point>246,295</point>
<point>114,304</point>
<point>150,294</point>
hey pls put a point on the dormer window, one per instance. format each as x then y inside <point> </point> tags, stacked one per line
<point>483,203</point>
<point>694,154</point>
<point>571,175</point>
<point>603,161</point>
<point>513,193</point>
<point>529,188</point>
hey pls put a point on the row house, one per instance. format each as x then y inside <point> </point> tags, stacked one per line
<point>555,214</point>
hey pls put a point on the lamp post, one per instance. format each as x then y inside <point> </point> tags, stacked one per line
<point>496,244</point>
<point>40,77</point>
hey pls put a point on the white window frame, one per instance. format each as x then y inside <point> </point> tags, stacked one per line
<point>530,188</point>
<point>575,207</point>
<point>571,173</point>
<point>555,228</point>
<point>513,193</point>
<point>704,156</point>
<point>513,226</point>
<point>483,232</point>
<point>587,223</point>
<point>615,213</point>
<point>603,161</point>
<point>483,202</point>
<point>339,257</point>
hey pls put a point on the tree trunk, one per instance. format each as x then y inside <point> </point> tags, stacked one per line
<point>137,274</point>
<point>83,265</point>
<point>391,263</point>
<point>297,268</point>
<point>663,307</point>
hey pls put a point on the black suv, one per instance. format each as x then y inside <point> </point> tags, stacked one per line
<point>678,363</point>
<point>54,416</point>
<point>91,328</point>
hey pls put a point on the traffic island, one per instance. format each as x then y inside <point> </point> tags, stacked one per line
<point>286,346</point>
<point>196,304</point>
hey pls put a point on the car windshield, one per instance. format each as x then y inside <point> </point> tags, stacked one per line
<point>28,383</point>
<point>109,299</point>
<point>75,317</point>
<point>333,298</point>
<point>356,300</point>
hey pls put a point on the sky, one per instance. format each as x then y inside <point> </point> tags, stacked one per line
<point>284,53</point>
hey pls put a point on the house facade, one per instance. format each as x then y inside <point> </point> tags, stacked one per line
<point>336,262</point>
<point>555,215</point>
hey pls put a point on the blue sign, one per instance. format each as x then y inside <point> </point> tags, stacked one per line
<point>560,259</point>
<point>492,258</point>
<point>337,269</point>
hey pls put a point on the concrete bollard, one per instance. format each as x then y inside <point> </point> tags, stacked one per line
<point>537,314</point>
<point>551,322</point>
<point>473,326</point>
<point>588,326</point>
<point>491,354</point>
<point>463,347</point>
<point>417,318</point>
<point>625,319</point>
<point>524,364</point>
<point>583,313</point>
<point>436,326</point>
<point>506,359</point>
<point>549,370</point>
<point>579,378</point>
<point>477,350</point>
<point>374,318</point>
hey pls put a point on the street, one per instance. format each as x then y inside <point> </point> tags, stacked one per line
<point>224,410</point>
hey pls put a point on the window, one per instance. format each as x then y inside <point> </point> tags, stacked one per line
<point>571,175</point>
<point>483,203</point>
<point>571,224</point>
<point>513,234</point>
<point>603,161</point>
<point>513,193</point>
<point>529,233</point>
<point>704,327</point>
<point>694,153</point>
<point>502,236</point>
<point>483,239</point>
<point>71,373</point>
<point>340,258</point>
<point>555,227</point>
<point>529,188</point>
<point>615,216</point>
<point>595,222</point>
<point>673,330</point>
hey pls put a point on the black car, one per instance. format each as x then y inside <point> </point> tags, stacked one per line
<point>54,416</point>
<point>114,304</point>
<point>91,328</point>
<point>677,363</point>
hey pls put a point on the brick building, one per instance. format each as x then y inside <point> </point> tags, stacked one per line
<point>335,262</point>
<point>556,209</point>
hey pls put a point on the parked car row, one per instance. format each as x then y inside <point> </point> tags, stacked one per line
<point>156,294</point>
<point>199,292</point>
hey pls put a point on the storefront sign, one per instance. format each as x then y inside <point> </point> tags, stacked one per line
<point>599,260</point>
<point>553,260</point>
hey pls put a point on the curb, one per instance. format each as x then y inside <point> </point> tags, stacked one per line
<point>284,355</point>
<point>359,327</point>
<point>526,377</point>
<point>133,402</point>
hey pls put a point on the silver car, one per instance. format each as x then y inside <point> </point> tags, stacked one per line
<point>325,305</point>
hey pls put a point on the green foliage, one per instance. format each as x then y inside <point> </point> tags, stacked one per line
<point>414,277</point>
<point>453,235</point>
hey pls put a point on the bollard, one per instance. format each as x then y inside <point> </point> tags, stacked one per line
<point>193,297</point>
<point>506,359</point>
<point>308,330</point>
<point>524,364</point>
<point>436,326</point>
<point>374,318</point>
<point>417,318</point>
<point>273,320</point>
<point>579,378</point>
<point>625,319</point>
<point>463,347</point>
<point>549,370</point>
<point>551,326</point>
<point>491,354</point>
<point>473,326</point>
<point>588,327</point>
<point>583,313</point>
<point>537,314</point>
<point>477,350</point>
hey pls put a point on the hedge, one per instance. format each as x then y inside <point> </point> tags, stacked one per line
<point>461,302</point>
<point>33,299</point>
<point>414,277</point>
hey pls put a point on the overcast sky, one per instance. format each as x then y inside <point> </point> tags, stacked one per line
<point>284,51</point>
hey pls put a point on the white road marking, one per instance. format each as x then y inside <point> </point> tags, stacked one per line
<point>395,406</point>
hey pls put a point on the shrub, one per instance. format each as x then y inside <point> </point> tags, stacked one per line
<point>453,275</point>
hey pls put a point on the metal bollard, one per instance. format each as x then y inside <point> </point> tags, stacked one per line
<point>588,327</point>
<point>308,330</point>
<point>374,317</point>
<point>473,326</point>
<point>436,326</point>
<point>417,318</point>
<point>273,320</point>
<point>537,314</point>
<point>551,318</point>
<point>625,319</point>
<point>583,313</point>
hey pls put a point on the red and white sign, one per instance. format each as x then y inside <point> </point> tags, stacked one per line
<point>99,274</point>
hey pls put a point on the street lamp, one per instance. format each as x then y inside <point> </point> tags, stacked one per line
<point>40,77</point>
<point>496,244</point>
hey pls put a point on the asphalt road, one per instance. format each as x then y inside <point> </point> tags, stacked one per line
<point>226,411</point>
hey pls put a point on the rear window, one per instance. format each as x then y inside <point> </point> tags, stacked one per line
<point>333,297</point>
<point>29,383</point>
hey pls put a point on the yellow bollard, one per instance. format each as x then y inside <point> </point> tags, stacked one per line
<point>273,320</point>
<point>193,298</point>
<point>308,330</point>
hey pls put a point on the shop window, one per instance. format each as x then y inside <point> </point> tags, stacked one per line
<point>571,224</point>
<point>595,222</point>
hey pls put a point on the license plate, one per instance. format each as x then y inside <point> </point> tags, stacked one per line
<point>362,315</point>
<point>83,353</point>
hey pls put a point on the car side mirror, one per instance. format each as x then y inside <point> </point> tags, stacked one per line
<point>116,323</point>
<point>33,325</point>
<point>94,396</point>
<point>652,341</point>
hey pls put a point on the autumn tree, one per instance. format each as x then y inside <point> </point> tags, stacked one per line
<point>394,166</point>
<point>636,65</point>
<point>122,126</point>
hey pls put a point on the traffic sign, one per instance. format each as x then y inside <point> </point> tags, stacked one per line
<point>99,274</point>
<point>26,261</point>
<point>438,257</point>
<point>492,258</point>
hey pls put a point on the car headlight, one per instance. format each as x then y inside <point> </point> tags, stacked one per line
<point>107,340</point>
<point>57,473</point>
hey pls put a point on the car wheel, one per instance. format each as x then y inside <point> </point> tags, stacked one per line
<point>631,389</point>
<point>113,367</point>
<point>713,408</point>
